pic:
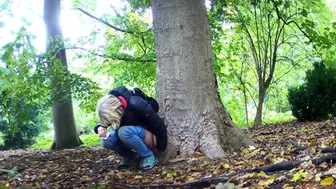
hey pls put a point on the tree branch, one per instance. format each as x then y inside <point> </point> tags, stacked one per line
<point>115,57</point>
<point>323,150</point>
<point>108,24</point>
<point>292,21</point>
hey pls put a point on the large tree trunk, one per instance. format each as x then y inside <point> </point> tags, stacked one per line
<point>64,123</point>
<point>258,117</point>
<point>186,83</point>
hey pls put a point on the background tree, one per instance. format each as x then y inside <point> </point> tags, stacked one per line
<point>275,46</point>
<point>64,124</point>
<point>186,83</point>
<point>23,109</point>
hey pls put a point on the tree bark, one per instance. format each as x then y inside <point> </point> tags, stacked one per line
<point>64,123</point>
<point>261,99</point>
<point>186,83</point>
<point>246,108</point>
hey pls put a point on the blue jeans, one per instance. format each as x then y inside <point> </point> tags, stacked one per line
<point>126,139</point>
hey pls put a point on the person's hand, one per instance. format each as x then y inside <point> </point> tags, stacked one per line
<point>102,132</point>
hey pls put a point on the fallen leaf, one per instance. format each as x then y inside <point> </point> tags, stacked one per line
<point>197,154</point>
<point>313,142</point>
<point>169,175</point>
<point>331,171</point>
<point>262,162</point>
<point>300,175</point>
<point>261,174</point>
<point>138,177</point>
<point>189,178</point>
<point>327,181</point>
<point>223,165</point>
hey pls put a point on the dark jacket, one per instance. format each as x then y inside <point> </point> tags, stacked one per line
<point>139,112</point>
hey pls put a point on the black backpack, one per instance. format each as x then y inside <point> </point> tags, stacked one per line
<point>150,100</point>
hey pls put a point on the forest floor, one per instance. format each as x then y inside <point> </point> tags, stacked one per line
<point>308,148</point>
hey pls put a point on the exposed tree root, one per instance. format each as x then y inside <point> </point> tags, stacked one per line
<point>206,182</point>
<point>323,150</point>
<point>290,165</point>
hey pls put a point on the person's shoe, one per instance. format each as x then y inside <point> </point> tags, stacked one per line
<point>148,163</point>
<point>126,162</point>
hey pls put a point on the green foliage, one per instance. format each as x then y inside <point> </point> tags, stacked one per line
<point>25,85</point>
<point>43,141</point>
<point>129,54</point>
<point>91,140</point>
<point>263,47</point>
<point>22,125</point>
<point>19,111</point>
<point>139,4</point>
<point>298,100</point>
<point>315,99</point>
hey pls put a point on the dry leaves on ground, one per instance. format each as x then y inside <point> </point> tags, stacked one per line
<point>96,167</point>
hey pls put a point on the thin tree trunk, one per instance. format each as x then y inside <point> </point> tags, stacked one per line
<point>186,83</point>
<point>63,118</point>
<point>246,110</point>
<point>258,117</point>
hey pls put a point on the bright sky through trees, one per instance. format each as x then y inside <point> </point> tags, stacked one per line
<point>30,15</point>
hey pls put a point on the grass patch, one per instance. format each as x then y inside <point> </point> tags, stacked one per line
<point>45,140</point>
<point>278,117</point>
<point>1,140</point>
<point>90,140</point>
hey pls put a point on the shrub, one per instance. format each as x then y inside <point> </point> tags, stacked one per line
<point>20,123</point>
<point>315,99</point>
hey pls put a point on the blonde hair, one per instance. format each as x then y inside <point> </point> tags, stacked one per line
<point>110,111</point>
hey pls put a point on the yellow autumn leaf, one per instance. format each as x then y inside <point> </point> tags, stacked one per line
<point>327,181</point>
<point>298,176</point>
<point>226,166</point>
<point>261,174</point>
<point>138,177</point>
<point>270,180</point>
<point>215,172</point>
<point>223,165</point>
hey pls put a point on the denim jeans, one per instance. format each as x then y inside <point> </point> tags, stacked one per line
<point>126,139</point>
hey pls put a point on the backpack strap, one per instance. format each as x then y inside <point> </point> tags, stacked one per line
<point>123,101</point>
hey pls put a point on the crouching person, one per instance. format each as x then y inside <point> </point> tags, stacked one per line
<point>137,128</point>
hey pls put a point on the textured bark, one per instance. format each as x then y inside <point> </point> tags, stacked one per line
<point>63,118</point>
<point>258,117</point>
<point>186,83</point>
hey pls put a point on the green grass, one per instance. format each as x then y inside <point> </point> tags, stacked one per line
<point>270,117</point>
<point>45,140</point>
<point>1,140</point>
<point>278,117</point>
<point>90,140</point>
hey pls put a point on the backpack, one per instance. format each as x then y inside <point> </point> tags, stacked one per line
<point>149,100</point>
